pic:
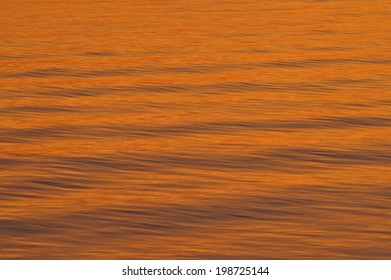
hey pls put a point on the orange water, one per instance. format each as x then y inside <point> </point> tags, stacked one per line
<point>195,129</point>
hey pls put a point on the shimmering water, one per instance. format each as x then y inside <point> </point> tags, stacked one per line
<point>195,129</point>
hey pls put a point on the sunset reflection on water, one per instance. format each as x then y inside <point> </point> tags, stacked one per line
<point>195,129</point>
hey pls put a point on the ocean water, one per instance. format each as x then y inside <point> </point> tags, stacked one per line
<point>201,129</point>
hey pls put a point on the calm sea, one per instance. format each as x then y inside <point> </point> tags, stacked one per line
<point>246,129</point>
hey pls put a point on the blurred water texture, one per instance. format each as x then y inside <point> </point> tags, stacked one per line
<point>195,129</point>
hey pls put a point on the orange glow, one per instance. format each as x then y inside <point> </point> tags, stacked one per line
<point>195,130</point>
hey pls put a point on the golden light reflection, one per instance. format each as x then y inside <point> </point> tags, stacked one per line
<point>191,130</point>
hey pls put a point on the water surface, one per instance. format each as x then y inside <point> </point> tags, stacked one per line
<point>195,129</point>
